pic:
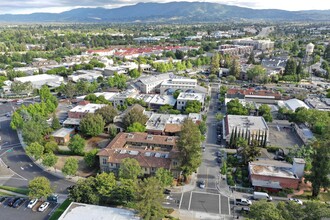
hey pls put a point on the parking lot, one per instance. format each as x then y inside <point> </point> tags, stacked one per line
<point>24,213</point>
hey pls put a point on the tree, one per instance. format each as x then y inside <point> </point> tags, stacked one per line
<point>108,113</point>
<point>219,116</point>
<point>70,167</point>
<point>177,93</point>
<point>134,115</point>
<point>235,69</point>
<point>130,169</point>
<point>40,187</point>
<point>124,192</point>
<point>51,147</point>
<point>262,210</point>
<point>290,67</point>
<point>265,111</point>
<point>224,168</point>
<point>134,73</point>
<point>189,147</point>
<point>105,182</point>
<point>150,198</point>
<point>136,127</point>
<point>16,121</point>
<point>215,64</point>
<point>90,157</point>
<point>193,106</point>
<point>164,176</point>
<point>35,150</point>
<point>19,87</point>
<point>257,74</point>
<point>248,151</point>
<point>69,90</point>
<point>77,144</point>
<point>234,107</point>
<point>319,175</point>
<point>92,125</point>
<point>251,59</point>
<point>202,127</point>
<point>55,122</point>
<point>84,191</point>
<point>49,159</point>
<point>326,55</point>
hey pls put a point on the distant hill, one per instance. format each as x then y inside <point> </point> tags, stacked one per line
<point>170,12</point>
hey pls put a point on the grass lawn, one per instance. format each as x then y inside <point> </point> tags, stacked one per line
<point>16,190</point>
<point>59,211</point>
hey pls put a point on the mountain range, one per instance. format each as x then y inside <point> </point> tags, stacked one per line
<point>171,12</point>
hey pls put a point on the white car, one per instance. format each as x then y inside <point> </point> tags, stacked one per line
<point>43,207</point>
<point>202,184</point>
<point>296,200</point>
<point>32,203</point>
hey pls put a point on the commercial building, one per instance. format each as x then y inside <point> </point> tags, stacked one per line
<point>86,75</point>
<point>247,127</point>
<point>39,80</point>
<point>151,84</point>
<point>63,135</point>
<point>160,100</point>
<point>151,151</point>
<point>273,176</point>
<point>252,95</point>
<point>184,97</point>
<point>257,44</point>
<point>235,49</point>
<point>83,109</point>
<point>183,84</point>
<point>78,211</point>
<point>293,104</point>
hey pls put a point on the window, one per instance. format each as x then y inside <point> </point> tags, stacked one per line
<point>111,164</point>
<point>104,160</point>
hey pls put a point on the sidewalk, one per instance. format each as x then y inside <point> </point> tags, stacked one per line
<point>187,187</point>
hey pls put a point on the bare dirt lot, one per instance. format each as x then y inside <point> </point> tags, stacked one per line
<point>283,137</point>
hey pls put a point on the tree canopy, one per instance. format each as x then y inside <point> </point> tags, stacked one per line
<point>70,166</point>
<point>77,144</point>
<point>92,125</point>
<point>40,187</point>
<point>129,169</point>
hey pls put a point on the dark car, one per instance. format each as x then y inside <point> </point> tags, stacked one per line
<point>167,191</point>
<point>11,201</point>
<point>219,160</point>
<point>70,187</point>
<point>18,203</point>
<point>3,199</point>
<point>52,198</point>
<point>245,209</point>
<point>218,154</point>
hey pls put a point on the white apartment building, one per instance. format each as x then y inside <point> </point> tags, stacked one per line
<point>184,97</point>
<point>184,84</point>
<point>39,80</point>
<point>151,84</point>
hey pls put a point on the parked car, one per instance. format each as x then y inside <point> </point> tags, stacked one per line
<point>18,203</point>
<point>43,206</point>
<point>202,184</point>
<point>218,154</point>
<point>203,149</point>
<point>11,201</point>
<point>52,198</point>
<point>3,199</point>
<point>32,203</point>
<point>243,201</point>
<point>262,195</point>
<point>245,209</point>
<point>167,191</point>
<point>219,160</point>
<point>296,200</point>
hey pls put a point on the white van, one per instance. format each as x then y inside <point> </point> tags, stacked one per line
<point>262,195</point>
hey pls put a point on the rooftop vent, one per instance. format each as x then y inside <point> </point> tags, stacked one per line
<point>130,135</point>
<point>169,139</point>
<point>149,137</point>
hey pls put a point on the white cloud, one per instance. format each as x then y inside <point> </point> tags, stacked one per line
<point>30,6</point>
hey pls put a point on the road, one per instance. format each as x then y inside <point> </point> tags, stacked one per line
<point>21,167</point>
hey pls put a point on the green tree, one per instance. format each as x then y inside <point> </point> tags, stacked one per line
<point>16,121</point>
<point>234,107</point>
<point>105,183</point>
<point>108,113</point>
<point>265,111</point>
<point>51,147</point>
<point>235,69</point>
<point>55,123</point>
<point>77,144</point>
<point>248,151</point>
<point>129,169</point>
<point>189,147</point>
<point>134,115</point>
<point>176,93</point>
<point>219,116</point>
<point>251,59</point>
<point>215,64</point>
<point>35,150</point>
<point>224,168</point>
<point>319,175</point>
<point>49,159</point>
<point>134,73</point>
<point>326,55</point>
<point>193,106</point>
<point>70,166</point>
<point>290,67</point>
<point>40,187</point>
<point>164,177</point>
<point>125,192</point>
<point>84,191</point>
<point>90,157</point>
<point>92,125</point>
<point>257,74</point>
<point>262,210</point>
<point>150,198</point>
<point>136,127</point>
<point>202,127</point>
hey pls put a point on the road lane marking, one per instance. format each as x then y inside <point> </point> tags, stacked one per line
<point>202,192</point>
<point>219,204</point>
<point>181,200</point>
<point>228,205</point>
<point>190,201</point>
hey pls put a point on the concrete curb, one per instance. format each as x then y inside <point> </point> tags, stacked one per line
<point>59,175</point>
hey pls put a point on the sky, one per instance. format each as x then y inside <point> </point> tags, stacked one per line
<point>56,6</point>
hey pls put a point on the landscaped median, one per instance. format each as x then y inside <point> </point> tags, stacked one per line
<point>59,211</point>
<point>15,190</point>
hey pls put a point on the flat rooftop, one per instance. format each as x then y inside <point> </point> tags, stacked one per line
<point>38,78</point>
<point>191,96</point>
<point>247,122</point>
<point>62,132</point>
<point>79,211</point>
<point>163,100</point>
<point>89,108</point>
<point>272,168</point>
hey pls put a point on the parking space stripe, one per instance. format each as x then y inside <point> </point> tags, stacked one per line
<point>219,204</point>
<point>228,205</point>
<point>190,201</point>
<point>181,200</point>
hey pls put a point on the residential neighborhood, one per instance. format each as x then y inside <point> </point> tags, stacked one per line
<point>165,120</point>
